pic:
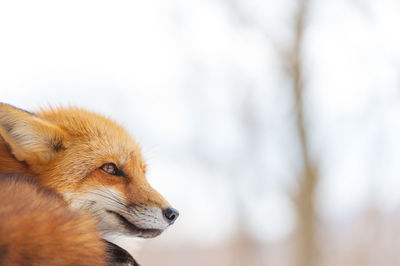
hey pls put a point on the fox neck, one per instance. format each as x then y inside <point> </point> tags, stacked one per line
<point>9,164</point>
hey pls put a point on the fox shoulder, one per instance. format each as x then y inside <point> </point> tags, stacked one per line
<point>38,228</point>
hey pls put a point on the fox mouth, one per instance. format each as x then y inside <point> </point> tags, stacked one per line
<point>140,232</point>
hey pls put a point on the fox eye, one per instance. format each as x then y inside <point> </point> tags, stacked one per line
<point>110,168</point>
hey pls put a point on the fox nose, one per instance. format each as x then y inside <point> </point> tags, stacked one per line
<point>171,214</point>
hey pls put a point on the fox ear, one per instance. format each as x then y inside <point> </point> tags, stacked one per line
<point>29,137</point>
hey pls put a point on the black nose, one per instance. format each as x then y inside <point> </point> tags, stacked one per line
<point>171,214</point>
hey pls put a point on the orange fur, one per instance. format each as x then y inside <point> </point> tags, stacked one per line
<point>37,228</point>
<point>8,164</point>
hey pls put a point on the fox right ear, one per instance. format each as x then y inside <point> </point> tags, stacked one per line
<point>29,137</point>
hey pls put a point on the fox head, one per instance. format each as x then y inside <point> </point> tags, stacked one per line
<point>90,160</point>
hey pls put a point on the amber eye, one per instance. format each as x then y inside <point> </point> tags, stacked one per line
<point>110,168</point>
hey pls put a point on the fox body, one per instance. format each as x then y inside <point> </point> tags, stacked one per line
<point>92,162</point>
<point>38,228</point>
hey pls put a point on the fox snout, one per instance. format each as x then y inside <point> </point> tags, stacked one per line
<point>115,214</point>
<point>147,222</point>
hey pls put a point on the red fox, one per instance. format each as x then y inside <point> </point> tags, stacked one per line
<point>92,162</point>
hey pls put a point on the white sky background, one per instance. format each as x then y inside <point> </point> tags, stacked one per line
<point>172,71</point>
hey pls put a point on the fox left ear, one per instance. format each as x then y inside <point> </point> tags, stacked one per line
<point>29,137</point>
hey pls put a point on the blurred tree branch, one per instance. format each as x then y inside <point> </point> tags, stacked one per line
<point>291,57</point>
<point>308,179</point>
<point>292,64</point>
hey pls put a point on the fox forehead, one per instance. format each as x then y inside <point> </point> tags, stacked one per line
<point>95,137</point>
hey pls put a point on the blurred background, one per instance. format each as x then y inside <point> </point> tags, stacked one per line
<point>273,126</point>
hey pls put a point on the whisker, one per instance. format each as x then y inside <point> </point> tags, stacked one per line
<point>114,201</point>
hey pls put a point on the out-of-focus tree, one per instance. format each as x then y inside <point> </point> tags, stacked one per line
<point>308,177</point>
<point>291,54</point>
<point>306,171</point>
